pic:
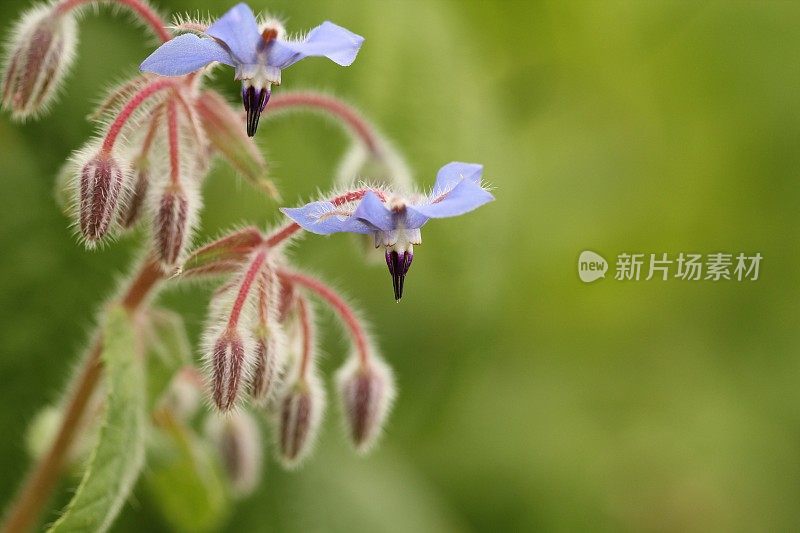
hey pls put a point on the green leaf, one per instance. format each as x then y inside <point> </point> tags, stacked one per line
<point>118,457</point>
<point>223,127</point>
<point>185,479</point>
<point>223,256</point>
<point>168,350</point>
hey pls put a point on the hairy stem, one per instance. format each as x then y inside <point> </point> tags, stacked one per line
<point>339,305</point>
<point>172,135</point>
<point>307,331</point>
<point>244,288</point>
<point>133,104</point>
<point>38,486</point>
<point>330,106</point>
<point>145,13</point>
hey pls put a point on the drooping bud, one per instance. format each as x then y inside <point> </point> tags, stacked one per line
<point>228,369</point>
<point>366,392</point>
<point>238,442</point>
<point>301,408</point>
<point>37,58</point>
<point>269,336</point>
<point>182,397</point>
<point>131,212</point>
<point>255,100</point>
<point>174,218</point>
<point>101,182</point>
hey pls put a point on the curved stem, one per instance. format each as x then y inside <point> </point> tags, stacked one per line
<point>133,104</point>
<point>38,486</point>
<point>244,288</point>
<point>339,305</point>
<point>151,135</point>
<point>139,8</point>
<point>330,106</point>
<point>307,330</point>
<point>172,135</point>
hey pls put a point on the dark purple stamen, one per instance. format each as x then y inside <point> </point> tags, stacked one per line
<point>398,264</point>
<point>255,100</point>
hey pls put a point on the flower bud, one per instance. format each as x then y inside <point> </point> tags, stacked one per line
<point>173,221</point>
<point>38,56</point>
<point>366,392</point>
<point>182,398</point>
<point>268,355</point>
<point>131,212</point>
<point>238,442</point>
<point>228,369</point>
<point>301,410</point>
<point>101,182</point>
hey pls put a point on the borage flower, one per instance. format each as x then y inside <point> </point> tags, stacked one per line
<point>257,53</point>
<point>394,220</point>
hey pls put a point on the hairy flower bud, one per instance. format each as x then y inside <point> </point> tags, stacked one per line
<point>132,211</point>
<point>228,369</point>
<point>268,356</point>
<point>301,408</point>
<point>182,397</point>
<point>366,392</point>
<point>38,56</point>
<point>238,442</point>
<point>101,182</point>
<point>173,221</point>
<point>270,342</point>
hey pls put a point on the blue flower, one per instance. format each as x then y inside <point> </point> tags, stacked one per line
<point>258,55</point>
<point>395,221</point>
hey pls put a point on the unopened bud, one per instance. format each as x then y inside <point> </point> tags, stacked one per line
<point>228,370</point>
<point>182,398</point>
<point>101,182</point>
<point>238,442</point>
<point>38,56</point>
<point>268,355</point>
<point>172,224</point>
<point>131,212</point>
<point>301,410</point>
<point>366,392</point>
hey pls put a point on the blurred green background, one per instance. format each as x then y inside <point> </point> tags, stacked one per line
<point>528,400</point>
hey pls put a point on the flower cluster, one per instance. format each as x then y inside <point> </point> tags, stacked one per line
<point>158,133</point>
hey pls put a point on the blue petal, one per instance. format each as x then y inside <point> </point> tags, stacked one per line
<point>239,30</point>
<point>321,218</point>
<point>184,54</point>
<point>373,211</point>
<point>464,197</point>
<point>328,40</point>
<point>450,174</point>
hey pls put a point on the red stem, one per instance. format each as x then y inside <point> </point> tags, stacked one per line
<point>38,486</point>
<point>244,288</point>
<point>324,103</point>
<point>136,100</point>
<point>174,153</point>
<point>339,305</point>
<point>307,332</point>
<point>145,12</point>
<point>151,134</point>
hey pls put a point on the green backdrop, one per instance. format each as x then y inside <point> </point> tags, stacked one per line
<point>527,399</point>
